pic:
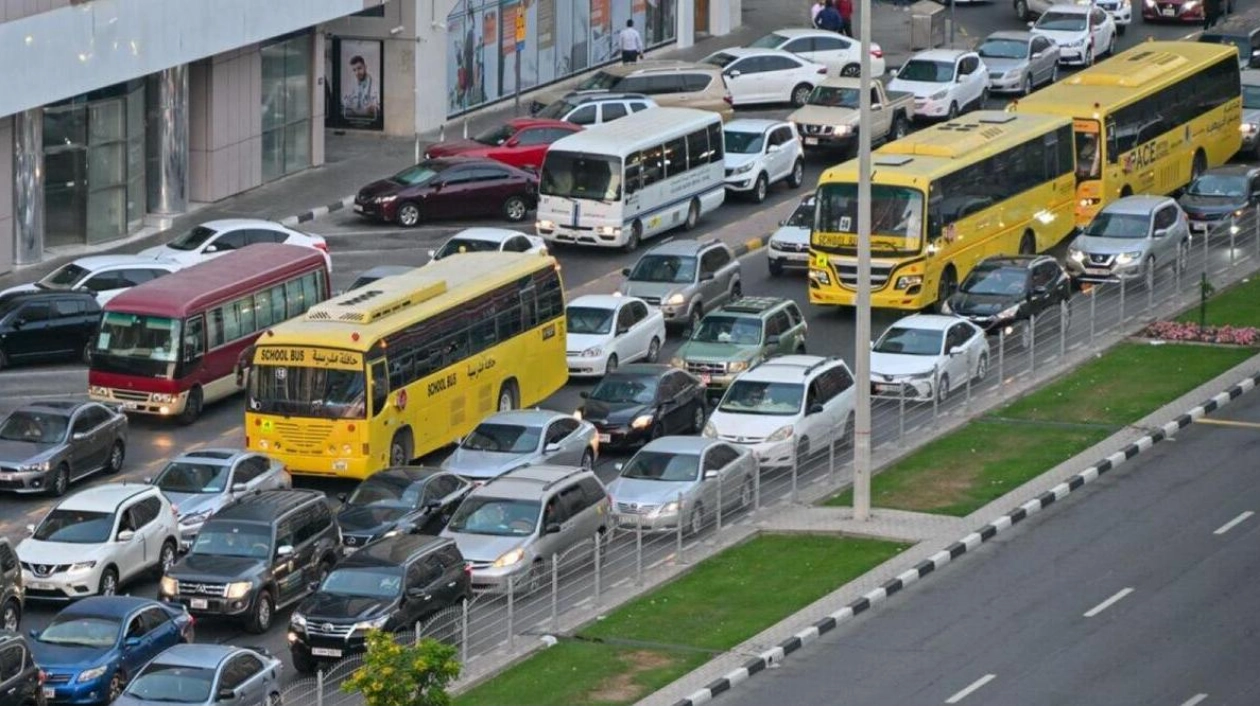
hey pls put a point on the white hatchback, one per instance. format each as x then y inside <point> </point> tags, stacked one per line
<point>925,355</point>
<point>481,240</point>
<point>214,238</point>
<point>605,331</point>
<point>97,539</point>
<point>840,54</point>
<point>105,276</point>
<point>760,153</point>
<point>766,75</point>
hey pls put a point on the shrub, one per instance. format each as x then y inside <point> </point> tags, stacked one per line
<point>1186,331</point>
<point>404,674</point>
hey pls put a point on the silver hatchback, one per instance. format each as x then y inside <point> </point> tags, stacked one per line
<point>685,278</point>
<point>1130,238</point>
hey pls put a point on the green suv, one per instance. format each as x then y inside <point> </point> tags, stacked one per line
<point>738,336</point>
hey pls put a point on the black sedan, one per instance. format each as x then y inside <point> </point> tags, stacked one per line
<point>450,187</point>
<point>1002,293</point>
<point>46,445</point>
<point>1220,197</point>
<point>404,499</point>
<point>638,403</point>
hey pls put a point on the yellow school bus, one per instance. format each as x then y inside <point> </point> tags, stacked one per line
<point>985,183</point>
<point>407,364</point>
<point>1148,120</point>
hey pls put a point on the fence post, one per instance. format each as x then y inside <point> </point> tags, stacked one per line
<point>1232,231</point>
<point>831,450</point>
<point>599,550</point>
<point>936,394</point>
<point>679,536</point>
<point>1123,287</point>
<point>967,396</point>
<point>1093,302</point>
<point>1064,311</point>
<point>719,480</point>
<point>511,610</point>
<point>555,593</point>
<point>638,551</point>
<point>417,641</point>
<point>1032,344</point>
<point>1001,360</point>
<point>796,462</point>
<point>319,687</point>
<point>901,415</point>
<point>1151,278</point>
<point>463,632</point>
<point>1182,261</point>
<point>1205,251</point>
<point>1255,220</point>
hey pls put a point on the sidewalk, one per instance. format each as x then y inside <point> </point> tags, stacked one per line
<point>352,160</point>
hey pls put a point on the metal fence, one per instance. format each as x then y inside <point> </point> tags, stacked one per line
<point>566,588</point>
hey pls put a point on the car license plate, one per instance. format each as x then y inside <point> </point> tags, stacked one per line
<point>50,693</point>
<point>199,604</point>
<point>129,406</point>
<point>628,519</point>
<point>1097,271</point>
<point>358,208</point>
<point>42,586</point>
<point>1169,12</point>
<point>605,438</point>
<point>885,388</point>
<point>326,652</point>
<point>811,141</point>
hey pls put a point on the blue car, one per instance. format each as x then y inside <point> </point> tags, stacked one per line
<point>92,646</point>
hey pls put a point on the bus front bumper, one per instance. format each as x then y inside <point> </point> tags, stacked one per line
<point>821,291</point>
<point>160,404</point>
<point>341,467</point>
<point>600,236</point>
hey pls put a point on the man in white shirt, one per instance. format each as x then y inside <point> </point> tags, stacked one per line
<point>631,44</point>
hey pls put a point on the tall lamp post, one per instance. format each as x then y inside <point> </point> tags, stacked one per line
<point>862,362</point>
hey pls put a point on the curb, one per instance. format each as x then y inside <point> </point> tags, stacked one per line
<point>972,541</point>
<point>747,246</point>
<point>316,212</point>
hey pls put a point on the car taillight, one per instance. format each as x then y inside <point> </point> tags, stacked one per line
<point>468,569</point>
<point>42,677</point>
<point>728,99</point>
<point>877,52</point>
<point>322,246</point>
<point>822,70</point>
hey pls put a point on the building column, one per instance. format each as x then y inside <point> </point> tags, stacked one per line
<point>166,96</point>
<point>724,16</point>
<point>685,21</point>
<point>28,186</point>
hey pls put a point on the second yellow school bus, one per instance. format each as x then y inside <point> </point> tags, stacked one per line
<point>1148,120</point>
<point>985,183</point>
<point>407,364</point>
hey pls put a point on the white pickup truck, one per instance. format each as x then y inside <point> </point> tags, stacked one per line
<point>829,118</point>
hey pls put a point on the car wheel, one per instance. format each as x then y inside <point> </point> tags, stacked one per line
<point>1028,84</point>
<point>87,354</point>
<point>60,481</point>
<point>982,367</point>
<point>166,558</point>
<point>1198,165</point>
<point>1148,272</point>
<point>108,586</point>
<point>116,456</point>
<point>851,70</point>
<point>697,419</point>
<point>953,110</point>
<point>693,319</point>
<point>693,215</point>
<point>11,618</point>
<point>984,98</point>
<point>114,691</point>
<point>192,407</point>
<point>800,94</point>
<point>400,449</point>
<point>797,177</point>
<point>4,360</point>
<point>1028,244</point>
<point>588,459</point>
<point>274,699</point>
<point>761,189</point>
<point>776,266</point>
<point>737,290</point>
<point>900,127</point>
<point>408,214</point>
<point>264,611</point>
<point>636,235</point>
<point>515,209</point>
<point>1111,46</point>
<point>657,431</point>
<point>942,388</point>
<point>611,364</point>
<point>1089,55</point>
<point>1054,72</point>
<point>946,287</point>
<point>1120,29</point>
<point>303,662</point>
<point>846,441</point>
<point>654,350</point>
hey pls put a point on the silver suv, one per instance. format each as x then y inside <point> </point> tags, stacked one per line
<point>595,107</point>
<point>1130,238</point>
<point>511,528</point>
<point>685,278</point>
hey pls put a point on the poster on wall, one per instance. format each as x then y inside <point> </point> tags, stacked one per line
<point>472,54</point>
<point>353,94</point>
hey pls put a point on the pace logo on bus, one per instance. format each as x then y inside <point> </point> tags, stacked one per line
<point>1144,155</point>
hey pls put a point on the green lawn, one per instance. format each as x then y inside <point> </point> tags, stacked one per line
<point>659,637</point>
<point>1236,306</point>
<point>966,469</point>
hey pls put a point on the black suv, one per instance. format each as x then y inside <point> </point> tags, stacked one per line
<point>390,584</point>
<point>259,553</point>
<point>1003,292</point>
<point>21,681</point>
<point>12,595</point>
<point>1242,31</point>
<point>38,325</point>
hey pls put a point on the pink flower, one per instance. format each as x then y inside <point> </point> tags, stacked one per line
<point>1186,331</point>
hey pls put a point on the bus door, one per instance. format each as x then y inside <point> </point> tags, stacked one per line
<point>383,415</point>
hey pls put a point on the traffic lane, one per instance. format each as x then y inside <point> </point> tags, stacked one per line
<point>1017,609</point>
<point>977,21</point>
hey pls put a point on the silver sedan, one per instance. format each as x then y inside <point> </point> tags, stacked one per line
<point>682,479</point>
<point>206,674</point>
<point>1019,61</point>
<point>511,439</point>
<point>46,445</point>
<point>199,483</point>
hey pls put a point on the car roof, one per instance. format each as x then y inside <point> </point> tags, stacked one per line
<point>1011,34</point>
<point>232,224</point>
<point>530,481</point>
<point>792,368</point>
<point>196,655</point>
<point>106,497</point>
<point>1070,8</point>
<point>267,506</point>
<point>115,260</point>
<point>642,369</point>
<point>1012,261</point>
<point>27,295</point>
<point>456,160</point>
<point>522,123</point>
<point>600,301</point>
<point>528,417</point>
<point>752,125</point>
<point>580,97</point>
<point>682,246</point>
<point>485,233</point>
<point>408,473</point>
<point>380,271</point>
<point>1137,204</point>
<point>792,32</point>
<point>66,406</point>
<point>1234,170</point>
<point>941,54</point>
<point>680,444</point>
<point>760,51</point>
<point>393,551</point>
<point>940,322</point>
<point>752,305</point>
<point>119,606</point>
<point>215,455</point>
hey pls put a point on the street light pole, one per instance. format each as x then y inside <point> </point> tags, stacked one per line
<point>862,345</point>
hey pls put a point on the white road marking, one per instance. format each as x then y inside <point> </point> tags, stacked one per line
<point>1196,699</point>
<point>1230,525</point>
<point>1103,606</point>
<point>961,694</point>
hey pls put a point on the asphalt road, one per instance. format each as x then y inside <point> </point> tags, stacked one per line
<point>1138,589</point>
<point>357,245</point>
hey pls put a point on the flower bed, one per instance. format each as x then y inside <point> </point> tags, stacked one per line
<point>1187,331</point>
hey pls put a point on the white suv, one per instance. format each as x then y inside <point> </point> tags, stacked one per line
<point>95,540</point>
<point>945,82</point>
<point>790,405</point>
<point>760,153</point>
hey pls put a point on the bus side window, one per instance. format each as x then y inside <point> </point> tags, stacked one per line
<point>380,387</point>
<point>194,339</point>
<point>634,173</point>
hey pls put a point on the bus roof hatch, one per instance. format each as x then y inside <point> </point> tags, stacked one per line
<point>376,301</point>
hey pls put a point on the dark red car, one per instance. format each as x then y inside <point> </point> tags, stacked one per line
<point>1174,10</point>
<point>520,142</point>
<point>450,187</point>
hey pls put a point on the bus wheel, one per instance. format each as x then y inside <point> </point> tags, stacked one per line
<point>636,235</point>
<point>1028,244</point>
<point>693,215</point>
<point>946,287</point>
<point>1126,190</point>
<point>507,397</point>
<point>400,449</point>
<point>1198,166</point>
<point>192,408</point>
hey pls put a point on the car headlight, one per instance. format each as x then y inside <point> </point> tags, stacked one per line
<point>169,586</point>
<point>195,518</point>
<point>743,168</point>
<point>1249,128</point>
<point>545,225</point>
<point>677,362</point>
<point>667,509</point>
<point>1189,5</point>
<point>737,366</point>
<point>386,199</point>
<point>1009,312</point>
<point>784,432</point>
<point>371,624</point>
<point>844,129</point>
<point>905,282</point>
<point>98,390</point>
<point>162,397</point>
<point>675,299</point>
<point>92,673</point>
<point>592,352</point>
<point>577,414</point>
<point>1077,42</point>
<point>510,558</point>
<point>81,566</point>
<point>641,422</point>
<point>1076,254</point>
<point>238,590</point>
<point>37,466</point>
<point>709,430</point>
<point>945,308</point>
<point>1126,258</point>
<point>297,620</point>
<point>938,95</point>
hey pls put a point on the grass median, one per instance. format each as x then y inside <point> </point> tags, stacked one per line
<point>996,453</point>
<point>1235,306</point>
<point>661,636</point>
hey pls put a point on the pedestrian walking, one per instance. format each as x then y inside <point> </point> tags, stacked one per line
<point>829,18</point>
<point>1211,13</point>
<point>814,10</point>
<point>845,8</point>
<point>631,44</point>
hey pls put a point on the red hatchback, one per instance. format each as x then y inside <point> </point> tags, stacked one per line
<point>449,187</point>
<point>520,142</point>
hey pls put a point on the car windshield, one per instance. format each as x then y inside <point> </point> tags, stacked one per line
<point>576,175</point>
<point>328,393</point>
<point>589,320</point>
<point>1110,224</point>
<point>747,397</point>
<point>724,329</point>
<point>803,217</point>
<point>64,277</point>
<point>465,245</point>
<point>835,97</point>
<point>625,389</point>
<point>740,142</point>
<point>1004,49</point>
<point>82,527</point>
<point>139,337</point>
<point>36,427</point>
<point>162,682</point>
<point>494,136</point>
<point>388,491</point>
<point>193,239</point>
<point>662,466</point>
<point>1061,22</point>
<point>911,342</point>
<point>996,281</point>
<point>1251,97</point>
<point>1219,185</point>
<point>896,219</point>
<point>718,59</point>
<point>769,41</point>
<point>557,109</point>
<point>225,538</point>
<point>419,174</point>
<point>601,81</point>
<point>665,268</point>
<point>188,477</point>
<point>376,582</point>
<point>485,515</point>
<point>1242,44</point>
<point>500,437</point>
<point>927,71</point>
<point>70,629</point>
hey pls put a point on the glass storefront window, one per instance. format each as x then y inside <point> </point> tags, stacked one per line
<point>286,106</point>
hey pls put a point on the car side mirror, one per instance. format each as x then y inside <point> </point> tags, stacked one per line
<point>30,529</point>
<point>1030,24</point>
<point>734,73</point>
<point>773,340</point>
<point>706,276</point>
<point>432,254</point>
<point>148,480</point>
<point>551,528</point>
<point>77,436</point>
<point>227,694</point>
<point>131,642</point>
<point>19,323</point>
<point>239,488</point>
<point>783,222</point>
<point>126,536</point>
<point>584,394</point>
<point>341,497</point>
<point>512,142</point>
<point>815,409</point>
<point>770,149</point>
<point>625,272</point>
<point>955,351</point>
<point>551,448</point>
<point>34,633</point>
<point>710,474</point>
<point>1160,232</point>
<point>418,593</point>
<point>619,466</point>
<point>1040,290</point>
<point>212,248</point>
<point>284,551</point>
<point>312,586</point>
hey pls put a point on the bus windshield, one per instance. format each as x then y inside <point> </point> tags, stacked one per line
<point>574,175</point>
<point>137,345</point>
<point>333,394</point>
<point>896,219</point>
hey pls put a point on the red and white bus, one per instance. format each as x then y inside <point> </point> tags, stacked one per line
<point>171,345</point>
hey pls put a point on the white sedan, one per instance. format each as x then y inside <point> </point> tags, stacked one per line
<point>605,331</point>
<point>925,355</point>
<point>1083,32</point>
<point>760,153</point>
<point>481,240</point>
<point>105,276</point>
<point>766,75</point>
<point>214,238</point>
<point>840,54</point>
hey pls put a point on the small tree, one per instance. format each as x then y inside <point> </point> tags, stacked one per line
<point>404,674</point>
